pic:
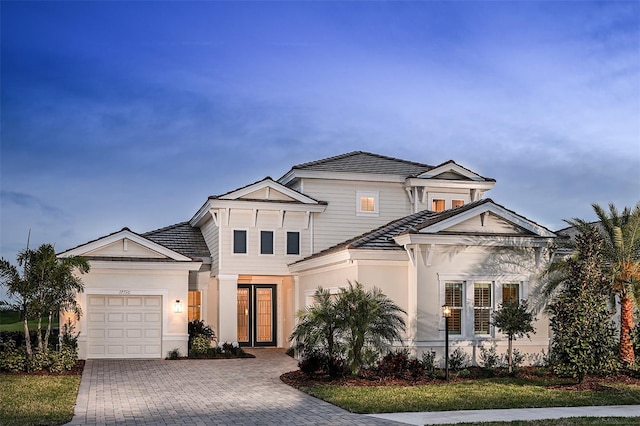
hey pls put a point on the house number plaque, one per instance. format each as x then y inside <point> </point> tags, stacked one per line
<point>124,292</point>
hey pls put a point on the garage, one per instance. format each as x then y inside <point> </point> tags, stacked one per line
<point>124,326</point>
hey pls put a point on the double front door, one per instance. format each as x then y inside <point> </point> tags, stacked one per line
<point>257,314</point>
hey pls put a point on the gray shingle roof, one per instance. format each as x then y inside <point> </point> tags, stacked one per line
<point>382,237</point>
<point>365,162</point>
<point>182,238</point>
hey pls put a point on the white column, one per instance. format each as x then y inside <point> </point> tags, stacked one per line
<point>227,308</point>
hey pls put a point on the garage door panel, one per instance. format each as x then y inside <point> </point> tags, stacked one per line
<point>124,326</point>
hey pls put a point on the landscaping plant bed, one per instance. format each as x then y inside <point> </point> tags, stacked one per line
<point>299,380</point>
<point>76,370</point>
<point>216,356</point>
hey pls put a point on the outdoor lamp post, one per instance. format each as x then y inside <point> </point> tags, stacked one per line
<point>446,313</point>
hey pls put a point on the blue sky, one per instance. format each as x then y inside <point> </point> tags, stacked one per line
<point>131,113</point>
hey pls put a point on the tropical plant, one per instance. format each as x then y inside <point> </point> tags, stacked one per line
<point>369,320</point>
<point>583,332</point>
<point>356,323</point>
<point>46,286</point>
<point>515,320</point>
<point>318,327</point>
<point>620,232</point>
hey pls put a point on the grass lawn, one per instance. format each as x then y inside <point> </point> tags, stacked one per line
<point>570,421</point>
<point>471,395</point>
<point>37,400</point>
<point>10,321</point>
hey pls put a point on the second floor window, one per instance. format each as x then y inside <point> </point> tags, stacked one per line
<point>457,203</point>
<point>266,242</point>
<point>437,205</point>
<point>366,203</point>
<point>293,243</point>
<point>239,241</point>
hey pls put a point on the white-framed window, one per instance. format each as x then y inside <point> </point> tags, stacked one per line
<point>293,243</point>
<point>454,296</point>
<point>267,242</point>
<point>367,203</point>
<point>240,241</point>
<point>437,205</point>
<point>482,307</point>
<point>510,292</point>
<point>474,298</point>
<point>195,305</point>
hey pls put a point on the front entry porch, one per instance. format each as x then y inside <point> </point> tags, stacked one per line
<point>257,314</point>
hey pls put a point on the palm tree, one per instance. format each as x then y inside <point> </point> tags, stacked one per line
<point>47,286</point>
<point>621,253</point>
<point>369,320</point>
<point>318,326</point>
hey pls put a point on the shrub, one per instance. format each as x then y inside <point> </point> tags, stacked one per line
<point>489,358</point>
<point>429,362</point>
<point>173,353</point>
<point>415,368</point>
<point>68,338</point>
<point>394,364</point>
<point>464,373</point>
<point>199,345</point>
<point>517,359</point>
<point>199,328</point>
<point>458,359</point>
<point>64,359</point>
<point>13,359</point>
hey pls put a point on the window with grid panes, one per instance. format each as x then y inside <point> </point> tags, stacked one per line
<point>482,308</point>
<point>510,292</point>
<point>453,298</point>
<point>437,205</point>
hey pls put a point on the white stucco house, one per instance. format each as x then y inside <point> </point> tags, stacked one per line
<point>249,259</point>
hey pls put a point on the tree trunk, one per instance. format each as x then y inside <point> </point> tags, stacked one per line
<point>627,355</point>
<point>39,333</point>
<point>48,333</point>
<point>510,354</point>
<point>27,338</point>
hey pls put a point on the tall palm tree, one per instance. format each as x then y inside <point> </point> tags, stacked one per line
<point>621,253</point>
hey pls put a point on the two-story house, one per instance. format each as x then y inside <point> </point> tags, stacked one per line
<point>249,259</point>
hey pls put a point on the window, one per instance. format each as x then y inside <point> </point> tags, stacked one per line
<point>453,298</point>
<point>293,243</point>
<point>457,203</point>
<point>195,302</point>
<point>367,203</point>
<point>481,307</point>
<point>510,292</point>
<point>239,241</point>
<point>437,205</point>
<point>266,242</point>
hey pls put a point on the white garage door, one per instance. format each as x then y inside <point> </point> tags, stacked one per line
<point>124,326</point>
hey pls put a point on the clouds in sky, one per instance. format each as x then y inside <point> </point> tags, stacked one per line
<point>131,113</point>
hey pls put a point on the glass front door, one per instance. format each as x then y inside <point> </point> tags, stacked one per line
<point>257,314</point>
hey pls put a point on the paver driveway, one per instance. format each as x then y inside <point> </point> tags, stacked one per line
<point>202,392</point>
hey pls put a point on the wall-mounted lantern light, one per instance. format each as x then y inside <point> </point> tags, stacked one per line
<point>177,307</point>
<point>446,313</point>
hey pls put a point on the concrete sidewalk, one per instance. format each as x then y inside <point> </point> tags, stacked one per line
<point>507,415</point>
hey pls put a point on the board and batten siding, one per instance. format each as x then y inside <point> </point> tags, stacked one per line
<point>253,262</point>
<point>339,222</point>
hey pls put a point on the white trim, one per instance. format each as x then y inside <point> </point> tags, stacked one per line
<point>450,184</point>
<point>505,240</point>
<point>451,167</point>
<point>269,184</point>
<point>376,203</point>
<point>314,174</point>
<point>144,265</point>
<point>492,208</point>
<point>124,234</point>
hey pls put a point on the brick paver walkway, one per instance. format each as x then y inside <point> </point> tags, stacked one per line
<point>202,392</point>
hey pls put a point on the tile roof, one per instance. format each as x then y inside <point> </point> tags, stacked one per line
<point>365,162</point>
<point>182,238</point>
<point>382,237</point>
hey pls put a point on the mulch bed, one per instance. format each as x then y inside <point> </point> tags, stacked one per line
<point>75,371</point>
<point>298,379</point>
<point>217,356</point>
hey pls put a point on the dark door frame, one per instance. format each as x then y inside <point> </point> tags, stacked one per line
<point>252,316</point>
